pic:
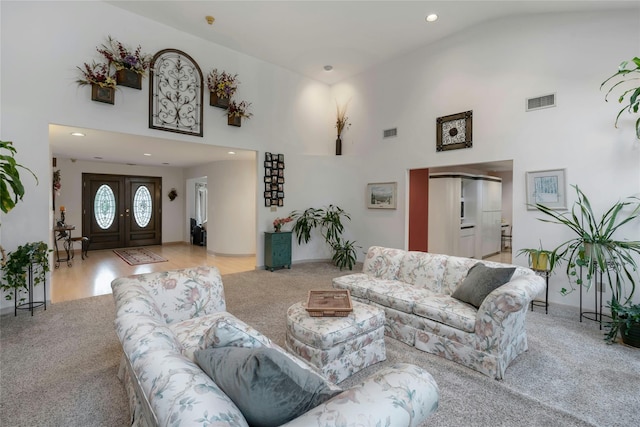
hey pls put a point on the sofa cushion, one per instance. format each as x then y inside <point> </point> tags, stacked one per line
<point>455,272</point>
<point>480,282</point>
<point>267,386</point>
<point>383,263</point>
<point>356,283</point>
<point>423,270</point>
<point>448,311</point>
<point>397,295</point>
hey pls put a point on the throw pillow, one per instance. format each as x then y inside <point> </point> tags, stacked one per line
<point>480,282</point>
<point>267,386</point>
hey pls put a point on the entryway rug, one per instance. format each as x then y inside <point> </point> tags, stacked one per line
<point>138,256</point>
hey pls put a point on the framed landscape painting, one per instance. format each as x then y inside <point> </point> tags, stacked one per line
<point>547,188</point>
<point>382,195</point>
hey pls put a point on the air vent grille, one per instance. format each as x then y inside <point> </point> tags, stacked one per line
<point>388,133</point>
<point>539,102</point>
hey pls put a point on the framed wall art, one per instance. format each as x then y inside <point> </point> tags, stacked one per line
<point>273,179</point>
<point>454,132</point>
<point>548,188</point>
<point>175,93</point>
<point>382,195</point>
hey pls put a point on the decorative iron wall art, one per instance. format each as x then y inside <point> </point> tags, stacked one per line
<point>454,131</point>
<point>273,179</point>
<point>175,93</point>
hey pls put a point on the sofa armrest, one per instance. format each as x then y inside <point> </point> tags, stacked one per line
<point>177,294</point>
<point>503,311</point>
<point>398,395</point>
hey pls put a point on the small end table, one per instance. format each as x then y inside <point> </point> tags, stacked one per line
<point>545,304</point>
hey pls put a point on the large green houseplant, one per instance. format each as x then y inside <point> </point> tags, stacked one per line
<point>626,77</point>
<point>594,250</point>
<point>329,220</point>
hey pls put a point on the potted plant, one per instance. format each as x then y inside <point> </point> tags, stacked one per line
<point>222,86</point>
<point>342,123</point>
<point>624,76</point>
<point>103,84</point>
<point>236,111</point>
<point>330,222</point>
<point>595,250</point>
<point>279,222</point>
<point>30,259</point>
<point>626,321</point>
<point>539,259</point>
<point>130,65</point>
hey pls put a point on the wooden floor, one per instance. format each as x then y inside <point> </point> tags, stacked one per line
<point>93,275</point>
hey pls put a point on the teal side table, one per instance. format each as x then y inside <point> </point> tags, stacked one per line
<point>277,250</point>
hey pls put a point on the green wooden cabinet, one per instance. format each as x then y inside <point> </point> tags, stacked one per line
<point>277,250</point>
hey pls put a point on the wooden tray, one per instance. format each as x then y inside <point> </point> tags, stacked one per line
<point>331,303</point>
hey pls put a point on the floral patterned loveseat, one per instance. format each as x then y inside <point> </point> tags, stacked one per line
<point>415,288</point>
<point>163,318</point>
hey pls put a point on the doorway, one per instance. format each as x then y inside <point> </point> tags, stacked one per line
<point>121,211</point>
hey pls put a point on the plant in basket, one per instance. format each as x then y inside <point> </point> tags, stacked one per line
<point>123,58</point>
<point>236,111</point>
<point>96,73</point>
<point>222,83</point>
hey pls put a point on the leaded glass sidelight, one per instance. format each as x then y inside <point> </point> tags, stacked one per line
<point>104,206</point>
<point>142,205</point>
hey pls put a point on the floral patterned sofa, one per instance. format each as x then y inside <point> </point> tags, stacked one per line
<point>164,318</point>
<point>415,288</point>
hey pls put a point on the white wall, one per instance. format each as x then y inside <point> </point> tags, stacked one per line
<point>491,69</point>
<point>292,114</point>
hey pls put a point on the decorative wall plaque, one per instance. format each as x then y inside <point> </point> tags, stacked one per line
<point>273,179</point>
<point>454,131</point>
<point>175,93</point>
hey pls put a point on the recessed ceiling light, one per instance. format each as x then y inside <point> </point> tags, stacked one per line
<point>431,18</point>
<point>328,67</point>
<point>77,134</point>
<point>147,154</point>
<point>231,152</point>
<point>98,158</point>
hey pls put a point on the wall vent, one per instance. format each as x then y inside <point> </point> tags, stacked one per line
<point>388,133</point>
<point>539,102</point>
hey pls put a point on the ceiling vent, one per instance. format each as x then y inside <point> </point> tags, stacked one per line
<point>545,101</point>
<point>388,133</point>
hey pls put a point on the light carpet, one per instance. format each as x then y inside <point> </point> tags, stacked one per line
<point>59,366</point>
<point>139,256</point>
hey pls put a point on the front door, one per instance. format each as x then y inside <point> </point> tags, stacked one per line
<point>121,211</point>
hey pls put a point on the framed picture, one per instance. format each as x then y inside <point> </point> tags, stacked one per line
<point>267,179</point>
<point>454,131</point>
<point>267,202</point>
<point>548,188</point>
<point>281,158</point>
<point>382,195</point>
<point>267,157</point>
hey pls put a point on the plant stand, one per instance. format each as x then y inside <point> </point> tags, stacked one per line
<point>31,304</point>
<point>595,315</point>
<point>545,304</point>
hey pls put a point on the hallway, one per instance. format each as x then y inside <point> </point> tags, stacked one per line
<point>93,275</point>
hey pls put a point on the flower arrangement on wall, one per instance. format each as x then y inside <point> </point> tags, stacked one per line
<point>124,67</point>
<point>223,84</point>
<point>236,111</point>
<point>123,58</point>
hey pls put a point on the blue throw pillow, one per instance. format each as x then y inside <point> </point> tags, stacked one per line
<point>480,282</point>
<point>268,387</point>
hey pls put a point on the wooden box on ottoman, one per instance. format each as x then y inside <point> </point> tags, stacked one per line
<point>338,346</point>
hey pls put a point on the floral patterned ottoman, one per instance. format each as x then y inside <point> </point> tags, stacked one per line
<point>338,346</point>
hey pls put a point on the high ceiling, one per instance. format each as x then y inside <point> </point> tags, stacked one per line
<point>303,36</point>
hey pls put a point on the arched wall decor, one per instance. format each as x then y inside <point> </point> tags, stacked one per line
<point>175,93</point>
